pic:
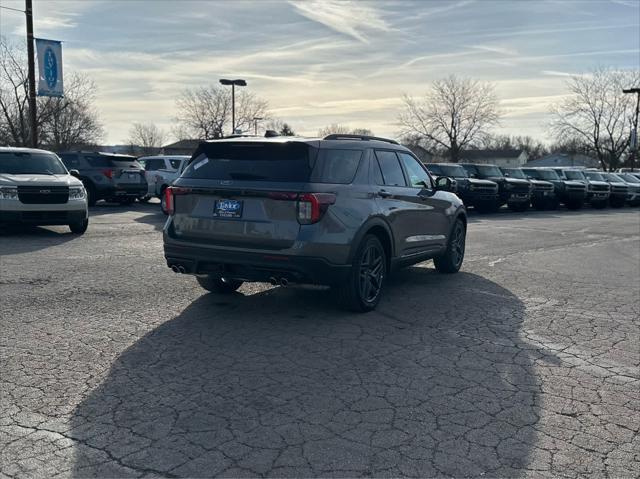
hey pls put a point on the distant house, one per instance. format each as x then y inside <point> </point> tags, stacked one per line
<point>422,153</point>
<point>504,158</point>
<point>182,147</point>
<point>565,159</point>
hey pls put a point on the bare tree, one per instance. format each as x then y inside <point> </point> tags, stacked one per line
<point>62,122</point>
<point>205,112</point>
<point>534,148</point>
<point>283,128</point>
<point>338,129</point>
<point>597,114</point>
<point>147,137</point>
<point>454,113</point>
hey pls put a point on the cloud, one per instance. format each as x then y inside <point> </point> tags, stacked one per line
<point>495,49</point>
<point>347,17</point>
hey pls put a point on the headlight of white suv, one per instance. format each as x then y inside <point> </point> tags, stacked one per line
<point>8,192</point>
<point>77,193</point>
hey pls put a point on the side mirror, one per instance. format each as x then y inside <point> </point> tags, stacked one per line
<point>444,183</point>
<point>75,173</point>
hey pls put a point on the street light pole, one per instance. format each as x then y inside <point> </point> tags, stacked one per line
<point>32,74</point>
<point>256,119</point>
<point>635,124</point>
<point>233,83</point>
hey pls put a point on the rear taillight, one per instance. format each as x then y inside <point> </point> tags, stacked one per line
<point>169,196</point>
<point>108,173</point>
<point>312,206</point>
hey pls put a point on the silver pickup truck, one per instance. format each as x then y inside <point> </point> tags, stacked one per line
<point>160,172</point>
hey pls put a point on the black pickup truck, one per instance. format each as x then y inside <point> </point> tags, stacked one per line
<point>542,192</point>
<point>514,192</point>
<point>597,191</point>
<point>481,194</point>
<point>571,193</point>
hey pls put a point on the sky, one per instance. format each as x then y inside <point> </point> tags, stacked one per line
<point>318,62</point>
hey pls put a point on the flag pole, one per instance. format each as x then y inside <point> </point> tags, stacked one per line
<point>32,74</point>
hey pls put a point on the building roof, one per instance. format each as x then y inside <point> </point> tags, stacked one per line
<point>183,144</point>
<point>489,154</point>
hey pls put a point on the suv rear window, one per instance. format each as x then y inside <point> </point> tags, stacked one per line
<point>278,162</point>
<point>106,161</point>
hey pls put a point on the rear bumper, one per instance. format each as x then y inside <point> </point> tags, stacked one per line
<point>135,190</point>
<point>44,217</point>
<point>255,266</point>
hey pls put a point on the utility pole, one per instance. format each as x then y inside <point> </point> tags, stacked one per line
<point>635,125</point>
<point>32,74</point>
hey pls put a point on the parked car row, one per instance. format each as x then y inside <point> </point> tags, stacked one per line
<point>488,187</point>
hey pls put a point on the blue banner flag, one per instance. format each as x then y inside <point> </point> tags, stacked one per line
<point>49,67</point>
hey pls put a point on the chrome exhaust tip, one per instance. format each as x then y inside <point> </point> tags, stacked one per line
<point>175,269</point>
<point>284,282</point>
<point>182,269</point>
<point>273,281</point>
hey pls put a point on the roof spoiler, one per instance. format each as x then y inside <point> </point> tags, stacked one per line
<point>341,136</point>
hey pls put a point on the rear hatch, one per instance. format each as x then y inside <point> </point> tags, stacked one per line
<point>126,171</point>
<point>243,194</point>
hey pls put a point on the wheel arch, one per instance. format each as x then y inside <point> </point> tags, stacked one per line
<point>378,227</point>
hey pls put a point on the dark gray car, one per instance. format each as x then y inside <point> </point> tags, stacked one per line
<point>342,211</point>
<point>108,176</point>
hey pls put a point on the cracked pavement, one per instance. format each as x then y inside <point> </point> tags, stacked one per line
<point>524,364</point>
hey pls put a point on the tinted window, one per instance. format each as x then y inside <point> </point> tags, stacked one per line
<point>70,160</point>
<point>391,170</point>
<point>417,176</point>
<point>98,161</point>
<point>336,166</point>
<point>573,175</point>
<point>282,162</point>
<point>513,173</point>
<point>23,163</point>
<point>435,170</point>
<point>594,175</point>
<point>542,174</point>
<point>175,164</point>
<point>488,170</point>
<point>455,171</point>
<point>154,164</point>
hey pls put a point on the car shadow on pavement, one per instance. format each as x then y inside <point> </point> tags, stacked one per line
<point>436,382</point>
<point>12,238</point>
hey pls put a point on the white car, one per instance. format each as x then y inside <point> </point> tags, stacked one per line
<point>37,189</point>
<point>162,171</point>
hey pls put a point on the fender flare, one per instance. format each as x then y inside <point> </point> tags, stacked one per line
<point>376,221</point>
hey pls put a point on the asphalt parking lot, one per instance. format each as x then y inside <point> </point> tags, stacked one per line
<point>524,364</point>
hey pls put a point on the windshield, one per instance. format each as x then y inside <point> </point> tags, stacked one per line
<point>628,178</point>
<point>543,174</point>
<point>486,170</point>
<point>614,177</point>
<point>514,173</point>
<point>454,171</point>
<point>19,163</point>
<point>594,175</point>
<point>279,162</point>
<point>573,175</point>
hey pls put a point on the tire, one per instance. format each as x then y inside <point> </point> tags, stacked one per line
<point>126,201</point>
<point>216,284</point>
<point>79,227</point>
<point>92,198</point>
<point>616,203</point>
<point>451,261</point>
<point>599,204</point>
<point>365,282</point>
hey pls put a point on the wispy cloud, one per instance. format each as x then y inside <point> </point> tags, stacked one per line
<point>347,17</point>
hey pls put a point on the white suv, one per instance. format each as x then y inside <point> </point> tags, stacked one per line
<point>37,189</point>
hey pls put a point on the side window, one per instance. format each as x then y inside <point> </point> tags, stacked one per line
<point>418,177</point>
<point>336,166</point>
<point>70,160</point>
<point>175,164</point>
<point>99,161</point>
<point>391,170</point>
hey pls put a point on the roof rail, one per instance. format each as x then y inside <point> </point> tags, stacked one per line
<point>341,136</point>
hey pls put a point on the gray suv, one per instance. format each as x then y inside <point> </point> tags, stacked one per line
<point>342,211</point>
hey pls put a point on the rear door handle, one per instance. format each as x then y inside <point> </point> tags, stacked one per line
<point>384,194</point>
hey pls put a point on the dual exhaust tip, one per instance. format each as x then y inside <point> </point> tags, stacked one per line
<point>284,282</point>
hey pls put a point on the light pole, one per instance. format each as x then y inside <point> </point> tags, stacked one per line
<point>635,124</point>
<point>233,83</point>
<point>256,119</point>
